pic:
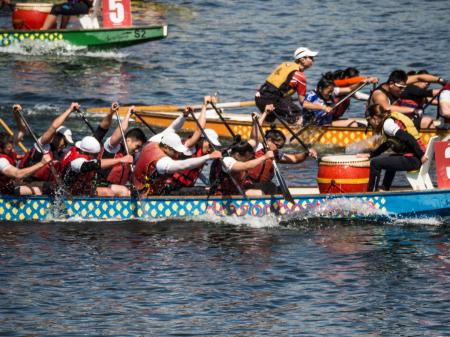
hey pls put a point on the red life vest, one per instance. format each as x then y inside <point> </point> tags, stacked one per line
<point>43,174</point>
<point>119,173</point>
<point>7,183</point>
<point>262,173</point>
<point>146,176</point>
<point>84,183</point>
<point>222,183</point>
<point>187,178</point>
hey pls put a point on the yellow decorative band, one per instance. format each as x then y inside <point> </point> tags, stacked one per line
<point>343,181</point>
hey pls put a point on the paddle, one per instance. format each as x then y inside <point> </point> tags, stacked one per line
<point>83,117</point>
<point>219,113</point>
<point>11,133</point>
<point>41,149</point>
<point>285,124</point>
<point>174,108</point>
<point>284,188</point>
<point>144,122</point>
<point>191,112</point>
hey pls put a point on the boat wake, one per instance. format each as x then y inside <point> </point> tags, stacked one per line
<point>58,48</point>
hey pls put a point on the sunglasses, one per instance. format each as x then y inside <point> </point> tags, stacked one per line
<point>400,85</point>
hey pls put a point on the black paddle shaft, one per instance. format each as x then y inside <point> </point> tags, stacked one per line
<point>285,124</point>
<point>144,122</point>
<point>219,113</point>
<point>83,117</point>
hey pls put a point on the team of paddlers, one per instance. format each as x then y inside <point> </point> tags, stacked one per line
<point>127,164</point>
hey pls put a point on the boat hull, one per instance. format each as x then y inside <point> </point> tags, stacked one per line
<point>105,38</point>
<point>241,125</point>
<point>367,205</point>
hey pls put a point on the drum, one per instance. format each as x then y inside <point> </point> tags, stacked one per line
<point>343,174</point>
<point>30,16</point>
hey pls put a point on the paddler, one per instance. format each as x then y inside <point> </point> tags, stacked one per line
<point>444,104</point>
<point>158,162</point>
<point>10,175</point>
<point>402,137</point>
<point>262,175</point>
<point>388,95</point>
<point>71,7</point>
<point>288,78</point>
<point>118,176</point>
<point>80,165</point>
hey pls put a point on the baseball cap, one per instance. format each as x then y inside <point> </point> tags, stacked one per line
<point>88,144</point>
<point>304,52</point>
<point>212,136</point>
<point>66,133</point>
<point>172,140</point>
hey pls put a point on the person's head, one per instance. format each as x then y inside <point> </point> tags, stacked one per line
<point>6,143</point>
<point>397,82</point>
<point>351,72</point>
<point>325,87</point>
<point>338,74</point>
<point>204,143</point>
<point>242,151</point>
<point>376,114</point>
<point>89,145</point>
<point>61,139</point>
<point>275,139</point>
<point>172,146</point>
<point>135,138</point>
<point>304,57</point>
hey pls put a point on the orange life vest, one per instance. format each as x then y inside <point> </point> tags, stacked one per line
<point>119,173</point>
<point>262,173</point>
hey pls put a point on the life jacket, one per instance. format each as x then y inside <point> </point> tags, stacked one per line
<point>187,178</point>
<point>44,173</point>
<point>7,183</point>
<point>407,125</point>
<point>119,174</point>
<point>84,182</point>
<point>341,108</point>
<point>281,76</point>
<point>345,82</point>
<point>221,182</point>
<point>262,173</point>
<point>391,98</point>
<point>146,177</point>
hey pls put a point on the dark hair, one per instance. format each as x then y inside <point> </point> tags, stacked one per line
<point>137,134</point>
<point>411,72</point>
<point>338,75</point>
<point>242,148</point>
<point>323,83</point>
<point>397,76</point>
<point>328,75</point>
<point>275,135</point>
<point>5,139</point>
<point>376,109</point>
<point>422,71</point>
<point>351,72</point>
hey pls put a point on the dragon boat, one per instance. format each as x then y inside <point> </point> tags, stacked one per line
<point>241,124</point>
<point>117,30</point>
<point>307,201</point>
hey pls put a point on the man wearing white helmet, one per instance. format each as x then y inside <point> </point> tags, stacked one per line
<point>80,165</point>
<point>54,140</point>
<point>159,161</point>
<point>288,78</point>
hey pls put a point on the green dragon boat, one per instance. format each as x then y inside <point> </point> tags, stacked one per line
<point>99,38</point>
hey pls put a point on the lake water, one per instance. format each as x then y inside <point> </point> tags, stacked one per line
<point>222,277</point>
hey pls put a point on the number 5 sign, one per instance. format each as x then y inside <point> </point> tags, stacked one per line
<point>442,151</point>
<point>116,13</point>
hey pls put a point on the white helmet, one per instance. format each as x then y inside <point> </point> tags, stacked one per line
<point>172,140</point>
<point>88,144</point>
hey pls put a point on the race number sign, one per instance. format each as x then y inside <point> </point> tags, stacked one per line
<point>442,153</point>
<point>116,13</point>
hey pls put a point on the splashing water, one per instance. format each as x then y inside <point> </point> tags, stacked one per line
<point>364,145</point>
<point>267,221</point>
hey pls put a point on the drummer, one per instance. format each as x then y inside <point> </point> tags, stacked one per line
<point>402,137</point>
<point>262,175</point>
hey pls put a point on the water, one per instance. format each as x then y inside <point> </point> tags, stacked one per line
<point>222,277</point>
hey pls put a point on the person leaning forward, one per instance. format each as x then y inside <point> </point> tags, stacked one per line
<point>282,83</point>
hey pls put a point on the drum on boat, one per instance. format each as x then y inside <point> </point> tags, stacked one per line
<point>343,174</point>
<point>29,16</point>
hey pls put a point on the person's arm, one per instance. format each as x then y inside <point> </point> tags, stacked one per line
<point>239,166</point>
<point>381,99</point>
<point>16,173</point>
<point>423,78</point>
<point>316,106</point>
<point>116,137</point>
<point>201,120</point>
<point>411,141</point>
<point>20,125</point>
<point>296,158</point>
<point>167,165</point>
<point>107,163</point>
<point>47,137</point>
